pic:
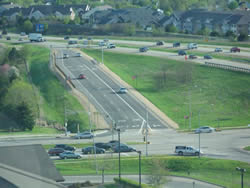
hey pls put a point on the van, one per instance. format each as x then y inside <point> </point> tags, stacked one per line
<point>192,46</point>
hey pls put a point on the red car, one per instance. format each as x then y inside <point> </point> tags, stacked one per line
<point>81,76</point>
<point>235,49</point>
<point>55,151</point>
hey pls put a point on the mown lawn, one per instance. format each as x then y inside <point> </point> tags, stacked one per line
<point>36,130</point>
<point>54,99</point>
<point>247,148</point>
<point>219,97</point>
<point>216,171</point>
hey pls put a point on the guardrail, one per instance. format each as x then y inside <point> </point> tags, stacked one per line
<point>228,67</point>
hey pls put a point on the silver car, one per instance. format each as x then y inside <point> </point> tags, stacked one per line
<point>69,155</point>
<point>205,129</point>
<point>84,135</point>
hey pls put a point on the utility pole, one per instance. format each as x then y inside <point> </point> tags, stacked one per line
<point>102,55</point>
<point>147,133</point>
<point>199,137</point>
<point>119,139</point>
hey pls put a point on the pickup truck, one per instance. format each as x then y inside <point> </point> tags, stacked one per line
<point>187,150</point>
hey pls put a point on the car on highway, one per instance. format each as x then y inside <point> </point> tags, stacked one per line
<point>72,42</point>
<point>106,40</point>
<point>78,55</point>
<point>20,39</point>
<point>69,155</point>
<point>192,46</point>
<point>80,38</point>
<point>123,148</point>
<point>182,52</point>
<point>81,76</point>
<point>66,37</point>
<point>176,44</point>
<point>218,50</point>
<point>208,57</point>
<point>55,151</point>
<point>235,49</point>
<point>65,56</point>
<point>192,56</point>
<point>159,43</point>
<point>22,34</point>
<point>65,147</point>
<point>122,90</point>
<point>90,38</point>
<point>205,129</point>
<point>84,135</point>
<point>144,49</point>
<point>8,38</point>
<point>92,150</point>
<point>102,43</point>
<point>187,150</point>
<point>110,45</point>
<point>102,145</point>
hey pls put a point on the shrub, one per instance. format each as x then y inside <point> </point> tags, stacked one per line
<point>243,37</point>
<point>178,165</point>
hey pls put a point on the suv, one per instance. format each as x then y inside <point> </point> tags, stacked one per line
<point>65,147</point>
<point>182,52</point>
<point>192,46</point>
<point>235,49</point>
<point>186,150</point>
<point>159,43</point>
<point>176,44</point>
<point>143,49</point>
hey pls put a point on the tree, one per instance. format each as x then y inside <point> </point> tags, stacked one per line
<point>233,5</point>
<point>171,28</point>
<point>24,117</point>
<point>13,54</point>
<point>214,34</point>
<point>27,26</point>
<point>243,37</point>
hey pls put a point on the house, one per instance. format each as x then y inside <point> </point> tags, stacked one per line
<point>27,160</point>
<point>193,21</point>
<point>7,6</point>
<point>141,17</point>
<point>87,16</point>
<point>45,11</point>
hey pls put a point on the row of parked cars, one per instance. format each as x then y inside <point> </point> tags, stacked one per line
<point>65,151</point>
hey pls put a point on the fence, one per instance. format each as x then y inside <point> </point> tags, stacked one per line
<point>228,67</point>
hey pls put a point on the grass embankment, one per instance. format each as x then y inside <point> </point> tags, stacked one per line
<point>35,131</point>
<point>247,148</point>
<point>215,55</point>
<point>53,98</point>
<point>221,42</point>
<point>216,171</point>
<point>221,96</point>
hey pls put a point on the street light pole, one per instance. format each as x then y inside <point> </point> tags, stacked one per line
<point>139,152</point>
<point>118,130</point>
<point>190,109</point>
<point>199,137</point>
<point>102,55</point>
<point>242,171</point>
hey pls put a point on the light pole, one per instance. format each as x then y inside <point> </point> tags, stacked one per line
<point>242,171</point>
<point>102,55</point>
<point>199,136</point>
<point>139,152</point>
<point>118,130</point>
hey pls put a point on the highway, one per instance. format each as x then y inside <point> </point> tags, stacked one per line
<point>122,110</point>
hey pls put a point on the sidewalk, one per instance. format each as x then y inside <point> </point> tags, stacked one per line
<point>173,181</point>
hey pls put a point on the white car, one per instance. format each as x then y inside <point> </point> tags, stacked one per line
<point>65,56</point>
<point>102,43</point>
<point>122,90</point>
<point>205,129</point>
<point>78,55</point>
<point>218,50</point>
<point>110,45</point>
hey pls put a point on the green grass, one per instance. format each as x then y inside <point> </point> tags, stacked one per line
<point>52,95</point>
<point>247,148</point>
<point>218,171</point>
<point>36,130</point>
<point>221,96</point>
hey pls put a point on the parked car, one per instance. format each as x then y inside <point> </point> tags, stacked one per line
<point>72,42</point>
<point>208,57</point>
<point>205,129</point>
<point>84,135</point>
<point>159,43</point>
<point>65,147</point>
<point>182,52</point>
<point>102,145</point>
<point>65,56</point>
<point>187,150</point>
<point>112,143</point>
<point>55,151</point>
<point>122,90</point>
<point>192,46</point>
<point>82,76</point>
<point>78,55</point>
<point>110,45</point>
<point>69,155</point>
<point>92,150</point>
<point>22,34</point>
<point>218,50</point>
<point>123,148</point>
<point>192,56</point>
<point>176,44</point>
<point>66,37</point>
<point>8,38</point>
<point>144,49</point>
<point>235,49</point>
<point>90,38</point>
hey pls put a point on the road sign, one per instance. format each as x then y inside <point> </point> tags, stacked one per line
<point>39,27</point>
